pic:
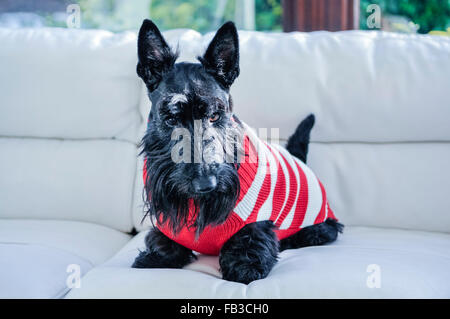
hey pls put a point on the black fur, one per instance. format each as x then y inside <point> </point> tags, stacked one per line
<point>298,143</point>
<point>162,252</point>
<point>249,254</point>
<point>182,95</point>
<point>314,235</point>
<point>155,56</point>
<point>221,59</point>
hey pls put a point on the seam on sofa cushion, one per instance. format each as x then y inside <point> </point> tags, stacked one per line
<point>374,248</point>
<point>70,139</point>
<point>50,247</point>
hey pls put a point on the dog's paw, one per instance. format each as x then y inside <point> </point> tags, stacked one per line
<point>245,273</point>
<point>249,254</point>
<point>151,259</point>
<point>147,259</point>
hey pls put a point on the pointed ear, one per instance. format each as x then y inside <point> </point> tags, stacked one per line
<point>221,58</point>
<point>154,55</point>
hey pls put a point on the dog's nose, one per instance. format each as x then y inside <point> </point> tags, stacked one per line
<point>204,184</point>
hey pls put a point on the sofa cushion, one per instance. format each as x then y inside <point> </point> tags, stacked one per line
<point>363,86</point>
<point>69,83</point>
<point>363,263</point>
<point>36,254</point>
<point>84,180</point>
<point>400,185</point>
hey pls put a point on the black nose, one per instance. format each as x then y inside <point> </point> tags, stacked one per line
<point>204,184</point>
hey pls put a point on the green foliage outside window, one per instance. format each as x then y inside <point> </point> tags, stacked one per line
<point>207,15</point>
<point>202,15</point>
<point>429,15</point>
<point>268,15</point>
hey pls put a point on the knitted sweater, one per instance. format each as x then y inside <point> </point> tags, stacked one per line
<point>275,186</point>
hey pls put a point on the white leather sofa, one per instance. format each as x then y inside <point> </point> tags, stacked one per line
<point>72,112</point>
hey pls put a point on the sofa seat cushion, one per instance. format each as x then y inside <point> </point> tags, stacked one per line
<point>36,254</point>
<point>363,263</point>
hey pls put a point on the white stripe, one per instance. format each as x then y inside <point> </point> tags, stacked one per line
<point>244,208</point>
<point>290,216</point>
<point>266,209</point>
<point>314,195</point>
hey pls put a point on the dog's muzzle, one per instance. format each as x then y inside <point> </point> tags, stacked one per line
<point>204,184</point>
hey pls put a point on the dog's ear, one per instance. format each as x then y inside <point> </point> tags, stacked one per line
<point>154,55</point>
<point>221,58</point>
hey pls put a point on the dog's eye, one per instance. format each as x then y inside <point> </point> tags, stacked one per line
<point>171,121</point>
<point>215,117</point>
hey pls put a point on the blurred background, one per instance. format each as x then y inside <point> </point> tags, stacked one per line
<point>410,16</point>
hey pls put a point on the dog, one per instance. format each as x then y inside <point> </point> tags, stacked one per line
<point>246,211</point>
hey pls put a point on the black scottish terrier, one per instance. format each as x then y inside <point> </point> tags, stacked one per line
<point>182,93</point>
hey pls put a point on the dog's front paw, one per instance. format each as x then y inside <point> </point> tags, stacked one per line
<point>147,259</point>
<point>162,252</point>
<point>152,259</point>
<point>249,254</point>
<point>244,273</point>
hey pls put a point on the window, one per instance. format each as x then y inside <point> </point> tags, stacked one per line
<point>207,15</point>
<point>119,15</point>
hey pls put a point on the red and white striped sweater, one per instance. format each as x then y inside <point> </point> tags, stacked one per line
<point>275,186</point>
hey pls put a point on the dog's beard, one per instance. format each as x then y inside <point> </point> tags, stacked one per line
<point>168,197</point>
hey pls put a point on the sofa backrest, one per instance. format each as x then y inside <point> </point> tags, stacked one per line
<point>72,113</point>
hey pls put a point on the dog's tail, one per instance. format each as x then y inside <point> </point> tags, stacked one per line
<point>298,143</point>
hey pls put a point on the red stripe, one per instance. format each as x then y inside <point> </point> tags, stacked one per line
<point>302,202</point>
<point>145,170</point>
<point>145,174</point>
<point>279,193</point>
<point>292,192</point>
<point>321,217</point>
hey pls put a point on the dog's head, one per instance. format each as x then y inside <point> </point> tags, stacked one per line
<point>192,141</point>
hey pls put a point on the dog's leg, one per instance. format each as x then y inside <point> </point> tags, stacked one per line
<point>250,254</point>
<point>314,235</point>
<point>162,252</point>
<point>298,143</point>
